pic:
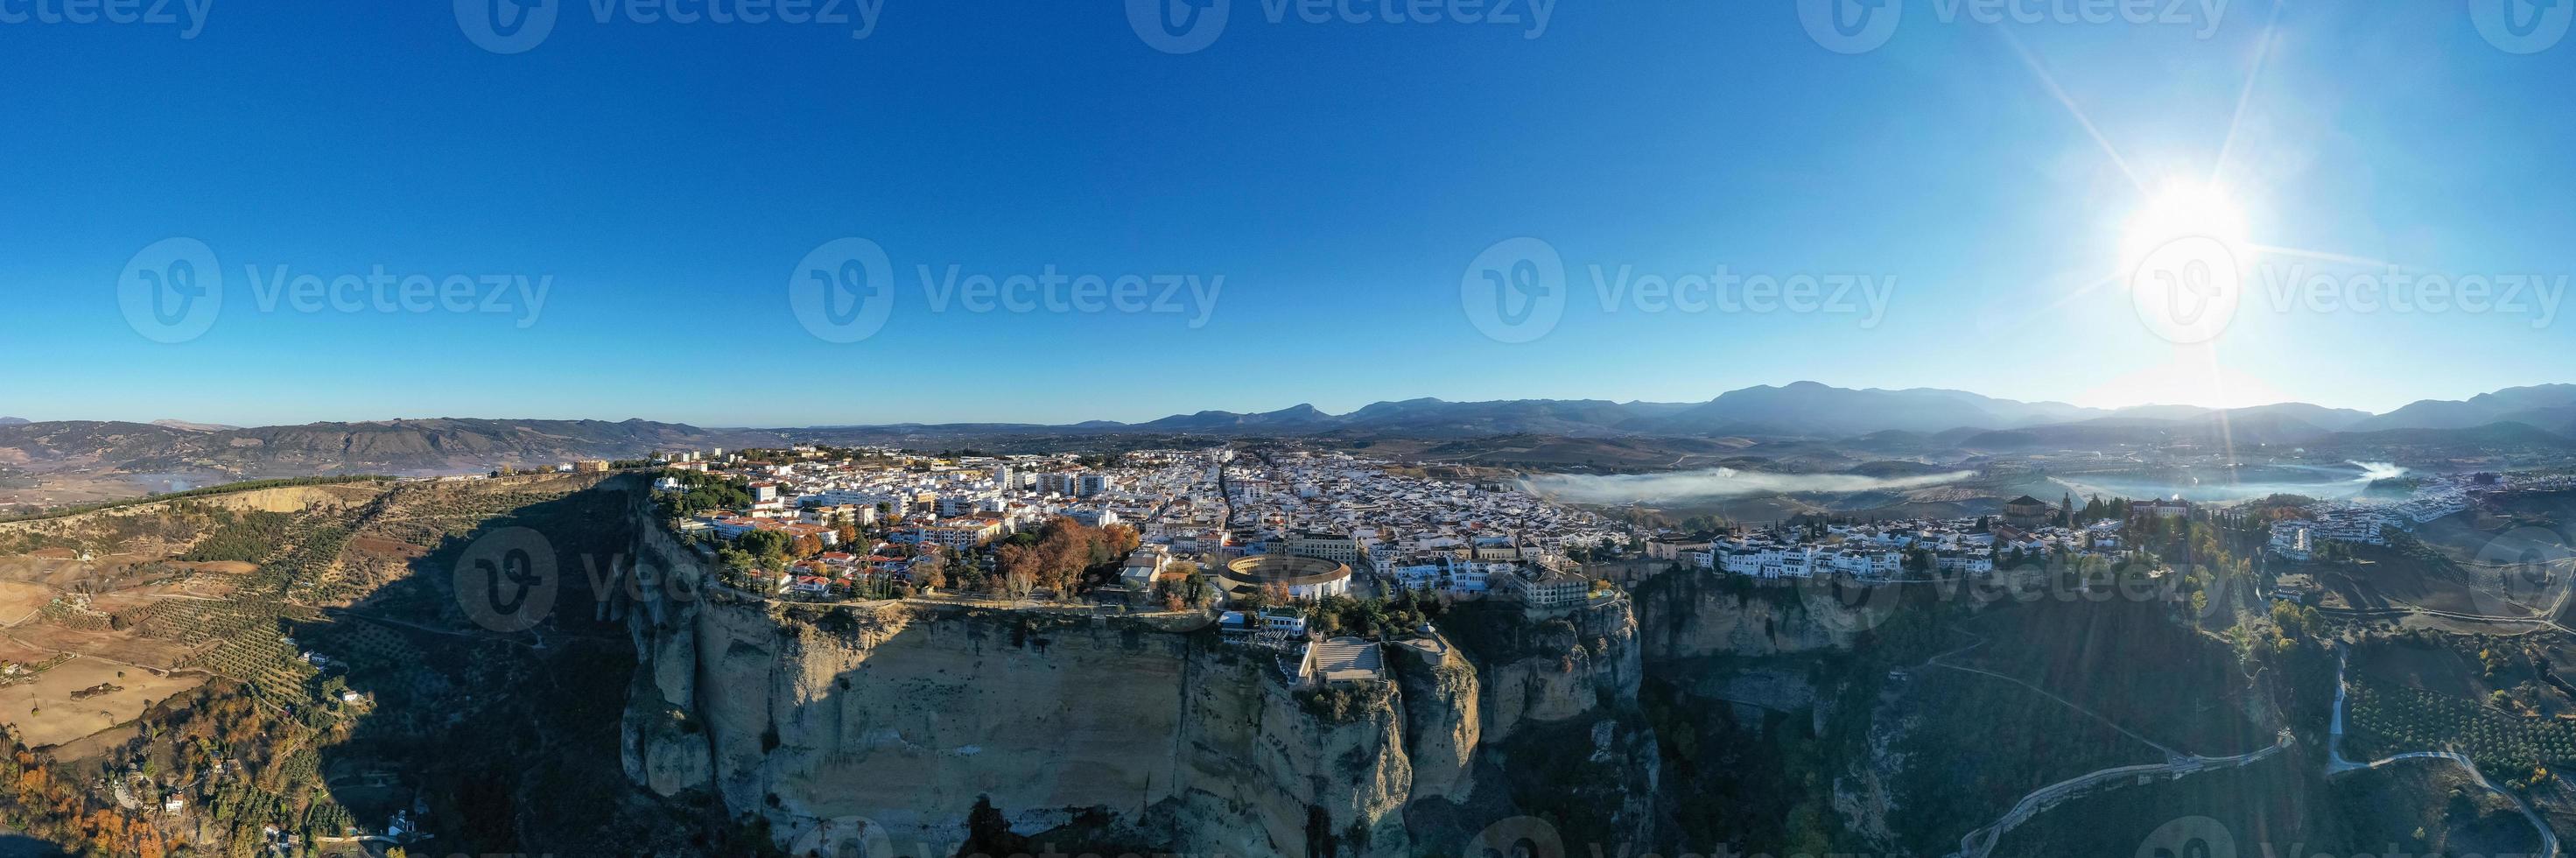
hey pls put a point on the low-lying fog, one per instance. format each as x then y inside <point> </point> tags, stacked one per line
<point>2214,486</point>
<point>1718,483</point>
<point>2328,482</point>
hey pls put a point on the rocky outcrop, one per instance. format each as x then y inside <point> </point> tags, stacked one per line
<point>1557,667</point>
<point>1262,774</point>
<point>1694,614</point>
<point>905,714</point>
<point>1442,721</point>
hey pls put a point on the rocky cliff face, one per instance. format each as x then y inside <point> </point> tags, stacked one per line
<point>1443,720</point>
<point>905,714</point>
<point>1557,668</point>
<point>1262,775</point>
<point>1691,614</point>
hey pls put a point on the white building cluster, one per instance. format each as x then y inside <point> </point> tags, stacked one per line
<point>2362,523</point>
<point>1879,551</point>
<point>1206,506</point>
<point>1384,513</point>
<point>953,503</point>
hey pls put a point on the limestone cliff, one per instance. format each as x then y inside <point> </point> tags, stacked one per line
<point>1551,667</point>
<point>904,714</point>
<point>1692,614</point>
<point>1443,723</point>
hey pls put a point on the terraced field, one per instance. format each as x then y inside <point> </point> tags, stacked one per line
<point>2388,719</point>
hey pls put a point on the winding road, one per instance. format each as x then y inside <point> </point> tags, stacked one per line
<point>2337,764</point>
<point>1978,843</point>
<point>2547,619</point>
<point>1982,841</point>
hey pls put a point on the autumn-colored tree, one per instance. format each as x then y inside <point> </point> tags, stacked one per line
<point>1122,540</point>
<point>935,573</point>
<point>1017,569</point>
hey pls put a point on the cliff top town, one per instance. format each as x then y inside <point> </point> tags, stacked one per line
<point>1193,526</point>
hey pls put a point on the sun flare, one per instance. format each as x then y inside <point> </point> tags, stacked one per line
<point>2183,211</point>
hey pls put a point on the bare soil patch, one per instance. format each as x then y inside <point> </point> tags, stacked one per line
<point>46,713</point>
<point>20,600</point>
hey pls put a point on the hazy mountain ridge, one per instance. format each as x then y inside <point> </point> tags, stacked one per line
<point>394,446</point>
<point>1917,421</point>
<point>2545,405</point>
<point>2223,430</point>
<point>1812,409</point>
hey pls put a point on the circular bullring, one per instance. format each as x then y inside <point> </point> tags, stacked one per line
<point>1302,577</point>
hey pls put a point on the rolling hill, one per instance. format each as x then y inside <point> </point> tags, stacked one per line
<point>2546,405</point>
<point>444,445</point>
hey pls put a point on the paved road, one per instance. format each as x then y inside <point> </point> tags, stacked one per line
<point>2337,764</point>
<point>1981,841</point>
<point>2177,764</point>
<point>2544,619</point>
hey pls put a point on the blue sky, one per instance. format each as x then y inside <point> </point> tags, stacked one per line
<point>664,180</point>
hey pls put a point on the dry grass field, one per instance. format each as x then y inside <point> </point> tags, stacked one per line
<point>20,600</point>
<point>45,711</point>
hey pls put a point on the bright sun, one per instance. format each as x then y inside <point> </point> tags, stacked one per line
<point>2180,211</point>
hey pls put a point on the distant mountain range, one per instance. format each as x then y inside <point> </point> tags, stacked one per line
<point>1919,421</point>
<point>1812,410</point>
<point>2547,406</point>
<point>387,447</point>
